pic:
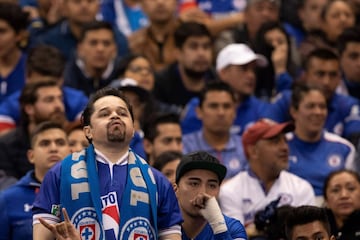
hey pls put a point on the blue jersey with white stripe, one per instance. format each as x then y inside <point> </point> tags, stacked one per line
<point>314,161</point>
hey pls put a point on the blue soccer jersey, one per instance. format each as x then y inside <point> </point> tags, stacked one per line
<point>314,161</point>
<point>235,231</point>
<point>112,179</point>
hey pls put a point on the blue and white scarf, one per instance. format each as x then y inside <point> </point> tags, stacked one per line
<point>80,195</point>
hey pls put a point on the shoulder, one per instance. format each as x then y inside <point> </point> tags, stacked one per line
<point>49,33</point>
<point>239,179</point>
<point>235,228</point>
<point>138,38</point>
<point>334,138</point>
<point>293,180</point>
<point>18,188</point>
<point>192,136</point>
<point>161,180</point>
<point>74,94</point>
<point>345,104</point>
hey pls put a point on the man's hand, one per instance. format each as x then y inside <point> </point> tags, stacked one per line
<point>200,200</point>
<point>210,210</point>
<point>64,230</point>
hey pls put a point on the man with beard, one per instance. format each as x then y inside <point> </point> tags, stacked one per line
<point>94,65</point>
<point>185,79</point>
<point>40,101</point>
<point>108,191</point>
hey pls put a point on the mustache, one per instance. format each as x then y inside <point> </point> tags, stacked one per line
<point>115,121</point>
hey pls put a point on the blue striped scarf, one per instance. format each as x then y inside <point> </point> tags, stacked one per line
<point>80,195</point>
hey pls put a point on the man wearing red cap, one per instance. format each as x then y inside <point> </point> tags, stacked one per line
<point>249,191</point>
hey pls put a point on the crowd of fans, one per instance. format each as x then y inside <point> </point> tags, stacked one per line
<point>271,88</point>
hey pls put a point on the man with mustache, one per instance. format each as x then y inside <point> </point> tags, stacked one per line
<point>108,191</point>
<point>266,180</point>
<point>183,80</point>
<point>40,101</point>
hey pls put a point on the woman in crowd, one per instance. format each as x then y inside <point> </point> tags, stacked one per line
<point>342,199</point>
<point>336,16</point>
<point>137,67</point>
<point>275,44</point>
<point>314,152</point>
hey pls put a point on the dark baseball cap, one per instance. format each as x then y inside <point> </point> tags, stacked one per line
<point>200,160</point>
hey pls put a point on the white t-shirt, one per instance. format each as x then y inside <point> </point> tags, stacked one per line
<point>244,195</point>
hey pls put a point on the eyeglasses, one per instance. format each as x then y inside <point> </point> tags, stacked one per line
<point>139,69</point>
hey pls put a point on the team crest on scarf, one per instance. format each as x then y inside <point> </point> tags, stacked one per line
<point>137,228</point>
<point>86,222</point>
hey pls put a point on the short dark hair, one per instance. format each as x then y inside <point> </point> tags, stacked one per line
<point>349,35</point>
<point>107,91</point>
<point>150,126</point>
<point>166,157</point>
<point>321,53</point>
<point>14,16</point>
<point>42,127</point>
<point>303,215</point>
<point>300,89</point>
<point>94,26</point>
<point>29,95</point>
<point>337,172</point>
<point>45,60</point>
<point>190,29</point>
<point>215,87</point>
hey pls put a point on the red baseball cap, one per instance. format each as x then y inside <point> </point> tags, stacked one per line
<point>264,129</point>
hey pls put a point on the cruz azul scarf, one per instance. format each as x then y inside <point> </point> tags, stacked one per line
<point>80,195</point>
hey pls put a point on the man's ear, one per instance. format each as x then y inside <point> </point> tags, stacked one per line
<point>148,146</point>
<point>29,109</point>
<point>292,112</point>
<point>87,132</point>
<point>30,156</point>
<point>175,187</point>
<point>251,150</point>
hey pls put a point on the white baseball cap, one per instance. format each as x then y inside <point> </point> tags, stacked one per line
<point>238,54</point>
